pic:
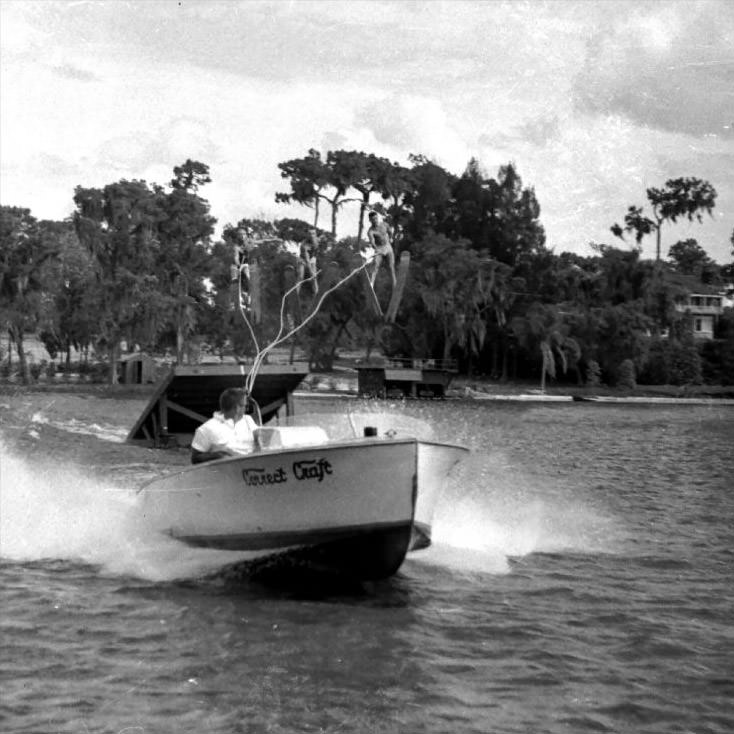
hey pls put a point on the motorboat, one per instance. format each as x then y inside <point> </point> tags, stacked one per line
<point>354,499</point>
<point>353,504</point>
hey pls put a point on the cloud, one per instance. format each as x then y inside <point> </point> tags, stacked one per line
<point>151,154</point>
<point>416,124</point>
<point>55,165</point>
<point>576,93</point>
<point>124,153</point>
<point>18,34</point>
<point>72,72</point>
<point>669,66</point>
<point>334,140</point>
<point>593,167</point>
<point>539,131</point>
<point>189,137</point>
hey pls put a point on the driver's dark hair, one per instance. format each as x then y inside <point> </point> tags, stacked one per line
<point>231,398</point>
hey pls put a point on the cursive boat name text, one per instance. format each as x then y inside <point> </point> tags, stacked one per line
<point>259,477</point>
<point>312,469</point>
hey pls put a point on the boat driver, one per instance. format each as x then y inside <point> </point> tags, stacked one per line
<point>228,432</point>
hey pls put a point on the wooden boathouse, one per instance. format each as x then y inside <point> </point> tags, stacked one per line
<point>189,395</point>
<point>413,378</point>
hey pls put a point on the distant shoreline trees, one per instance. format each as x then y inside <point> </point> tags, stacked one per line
<point>138,263</point>
<point>680,198</point>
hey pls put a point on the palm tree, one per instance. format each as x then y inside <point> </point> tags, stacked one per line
<point>455,287</point>
<point>542,330</point>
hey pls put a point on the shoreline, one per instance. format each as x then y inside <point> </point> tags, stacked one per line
<point>341,386</point>
<point>533,398</point>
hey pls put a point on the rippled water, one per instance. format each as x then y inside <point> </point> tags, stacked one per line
<point>582,580</point>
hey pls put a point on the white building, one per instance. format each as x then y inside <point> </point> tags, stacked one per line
<point>705,309</point>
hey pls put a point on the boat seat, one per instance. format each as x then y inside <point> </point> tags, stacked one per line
<point>285,437</point>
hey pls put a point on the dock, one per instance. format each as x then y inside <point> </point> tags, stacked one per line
<point>413,378</point>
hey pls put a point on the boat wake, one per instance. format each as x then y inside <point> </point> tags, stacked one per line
<point>52,512</point>
<point>491,513</point>
<point>104,432</point>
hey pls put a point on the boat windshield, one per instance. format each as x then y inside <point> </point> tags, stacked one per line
<point>339,426</point>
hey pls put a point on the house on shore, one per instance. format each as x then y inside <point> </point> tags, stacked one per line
<point>705,305</point>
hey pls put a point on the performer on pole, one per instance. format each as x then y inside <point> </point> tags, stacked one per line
<point>380,237</point>
<point>307,259</point>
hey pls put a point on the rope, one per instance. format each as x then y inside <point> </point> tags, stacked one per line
<point>280,338</point>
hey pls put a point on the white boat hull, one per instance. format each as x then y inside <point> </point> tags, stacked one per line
<point>358,506</point>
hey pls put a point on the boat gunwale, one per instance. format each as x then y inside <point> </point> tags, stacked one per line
<point>285,451</point>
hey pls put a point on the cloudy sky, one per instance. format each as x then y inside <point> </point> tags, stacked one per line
<point>593,101</point>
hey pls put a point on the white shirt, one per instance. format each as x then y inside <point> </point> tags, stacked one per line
<point>223,434</point>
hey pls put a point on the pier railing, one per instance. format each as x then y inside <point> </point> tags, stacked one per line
<point>445,365</point>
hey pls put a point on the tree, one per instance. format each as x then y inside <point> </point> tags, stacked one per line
<point>635,221</point>
<point>685,198</point>
<point>345,168</point>
<point>308,177</point>
<point>314,180</point>
<point>621,275</point>
<point>118,226</point>
<point>623,333</point>
<point>294,230</point>
<point>26,261</point>
<point>584,325</point>
<point>183,234</point>
<point>726,271</point>
<point>473,206</point>
<point>726,333</point>
<point>396,185</point>
<point>515,231</point>
<point>542,331</point>
<point>341,308</point>
<point>428,198</point>
<point>371,175</point>
<point>215,309</point>
<point>689,258</point>
<point>670,362</point>
<point>662,290</point>
<point>190,176</point>
<point>455,286</point>
<point>74,321</point>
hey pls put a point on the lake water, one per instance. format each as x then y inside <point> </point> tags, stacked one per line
<point>581,580</point>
